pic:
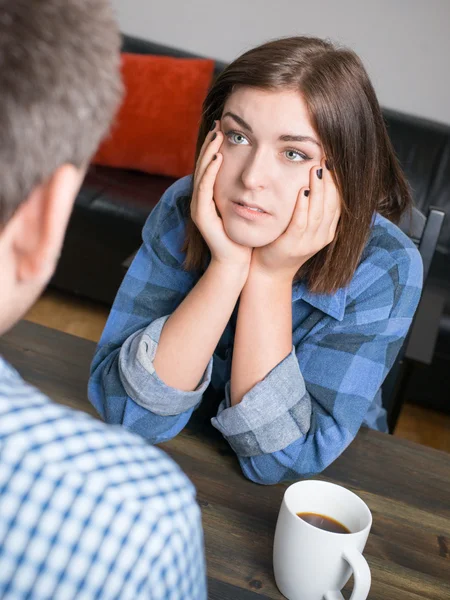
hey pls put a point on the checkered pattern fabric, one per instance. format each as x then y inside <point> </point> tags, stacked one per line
<point>309,407</point>
<point>89,510</point>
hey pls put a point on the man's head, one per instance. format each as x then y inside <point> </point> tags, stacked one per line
<point>59,89</point>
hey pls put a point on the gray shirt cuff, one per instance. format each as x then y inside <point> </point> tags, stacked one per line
<point>272,415</point>
<point>141,382</point>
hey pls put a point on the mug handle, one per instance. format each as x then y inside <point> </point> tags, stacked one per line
<point>361,574</point>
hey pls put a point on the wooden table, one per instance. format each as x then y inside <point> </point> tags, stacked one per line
<point>407,487</point>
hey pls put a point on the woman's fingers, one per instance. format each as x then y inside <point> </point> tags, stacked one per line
<point>317,210</point>
<point>207,141</point>
<point>299,220</point>
<point>332,203</point>
<point>316,203</point>
<point>211,150</point>
<point>206,183</point>
<point>331,194</point>
<point>333,225</point>
<point>205,150</point>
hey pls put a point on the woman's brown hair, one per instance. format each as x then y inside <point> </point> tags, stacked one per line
<point>345,113</point>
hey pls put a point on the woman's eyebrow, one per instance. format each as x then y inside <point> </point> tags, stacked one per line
<point>282,138</point>
<point>298,138</point>
<point>238,119</point>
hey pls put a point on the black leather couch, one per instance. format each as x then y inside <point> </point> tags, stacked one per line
<point>112,206</point>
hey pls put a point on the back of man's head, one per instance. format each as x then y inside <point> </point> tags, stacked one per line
<point>59,88</point>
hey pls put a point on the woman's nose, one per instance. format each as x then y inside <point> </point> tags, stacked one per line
<point>256,172</point>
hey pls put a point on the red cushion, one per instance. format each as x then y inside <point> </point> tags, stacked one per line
<point>157,125</point>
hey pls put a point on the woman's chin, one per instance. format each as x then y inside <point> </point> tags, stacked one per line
<point>249,239</point>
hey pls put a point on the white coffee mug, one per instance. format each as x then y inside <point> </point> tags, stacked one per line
<point>310,563</point>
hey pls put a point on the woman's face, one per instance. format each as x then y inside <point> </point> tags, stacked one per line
<point>268,151</point>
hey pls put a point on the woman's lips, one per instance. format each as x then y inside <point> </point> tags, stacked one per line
<point>250,214</point>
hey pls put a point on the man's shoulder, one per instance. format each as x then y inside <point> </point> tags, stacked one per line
<point>76,491</point>
<point>59,443</point>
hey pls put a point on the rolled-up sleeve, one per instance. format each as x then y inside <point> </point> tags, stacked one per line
<point>141,382</point>
<point>272,415</point>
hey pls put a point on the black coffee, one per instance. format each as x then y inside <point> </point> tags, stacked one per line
<point>323,522</point>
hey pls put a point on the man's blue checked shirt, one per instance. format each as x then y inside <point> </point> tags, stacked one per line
<point>88,510</point>
<point>306,411</point>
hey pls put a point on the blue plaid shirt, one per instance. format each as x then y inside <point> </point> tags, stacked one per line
<point>306,411</point>
<point>88,510</point>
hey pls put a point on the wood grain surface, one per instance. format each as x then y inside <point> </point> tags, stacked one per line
<point>406,486</point>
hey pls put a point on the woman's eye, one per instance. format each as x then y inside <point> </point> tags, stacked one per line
<point>294,155</point>
<point>237,138</point>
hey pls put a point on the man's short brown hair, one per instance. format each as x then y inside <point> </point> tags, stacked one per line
<point>59,89</point>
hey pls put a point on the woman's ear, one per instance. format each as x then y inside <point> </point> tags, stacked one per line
<point>40,223</point>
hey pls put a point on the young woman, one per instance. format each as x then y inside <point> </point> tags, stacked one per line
<point>275,275</point>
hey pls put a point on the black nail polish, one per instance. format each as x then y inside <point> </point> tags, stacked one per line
<point>319,173</point>
<point>213,126</point>
<point>215,156</point>
<point>328,165</point>
<point>306,193</point>
<point>214,137</point>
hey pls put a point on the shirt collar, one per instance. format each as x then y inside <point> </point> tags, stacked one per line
<point>331,304</point>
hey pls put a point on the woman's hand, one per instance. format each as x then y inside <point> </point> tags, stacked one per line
<point>312,227</point>
<point>203,208</point>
